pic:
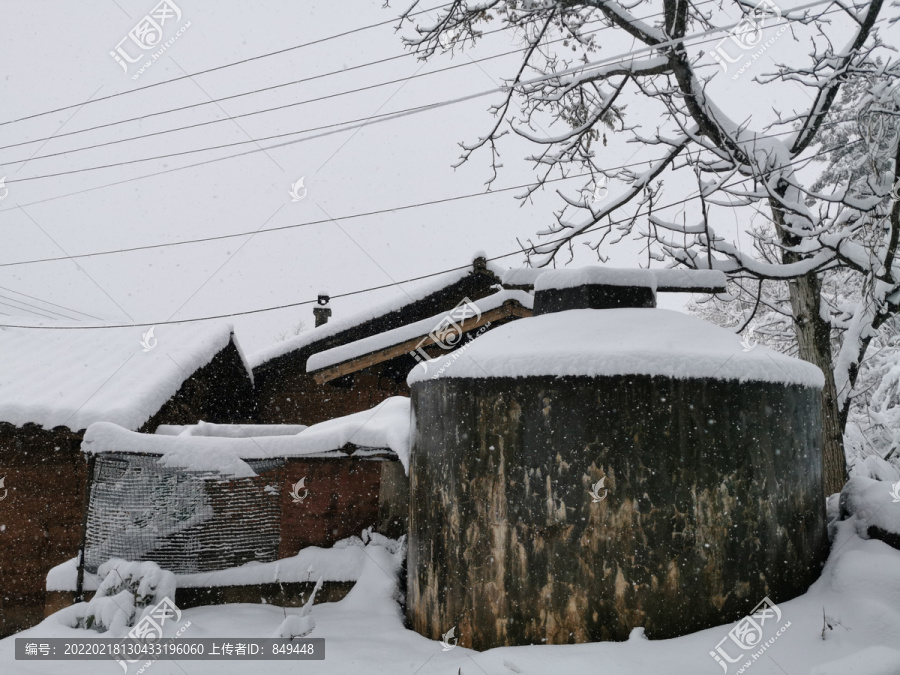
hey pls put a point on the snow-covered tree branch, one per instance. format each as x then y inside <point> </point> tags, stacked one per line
<point>842,221</point>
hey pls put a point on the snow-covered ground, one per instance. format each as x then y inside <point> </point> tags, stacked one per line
<point>858,592</point>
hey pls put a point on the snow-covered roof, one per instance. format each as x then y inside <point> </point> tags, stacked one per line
<point>74,378</point>
<point>627,341</point>
<point>668,279</point>
<point>412,292</point>
<point>384,426</point>
<point>397,336</point>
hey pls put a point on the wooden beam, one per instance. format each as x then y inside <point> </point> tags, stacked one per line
<point>508,309</point>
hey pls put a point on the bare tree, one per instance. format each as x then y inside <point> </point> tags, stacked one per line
<point>853,226</point>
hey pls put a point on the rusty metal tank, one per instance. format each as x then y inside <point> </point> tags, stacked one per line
<point>606,465</point>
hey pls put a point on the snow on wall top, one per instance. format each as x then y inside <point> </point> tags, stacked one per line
<point>384,426</point>
<point>342,562</point>
<point>74,378</point>
<point>229,430</point>
<point>412,293</point>
<point>375,343</point>
<point>612,276</point>
<point>629,341</point>
<point>521,276</point>
<point>581,276</point>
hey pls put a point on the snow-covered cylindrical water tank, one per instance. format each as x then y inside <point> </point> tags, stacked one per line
<point>584,472</point>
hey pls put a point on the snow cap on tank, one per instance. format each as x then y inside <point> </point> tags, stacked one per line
<point>603,322</point>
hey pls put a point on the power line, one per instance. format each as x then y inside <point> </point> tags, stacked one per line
<point>354,124</point>
<point>396,283</point>
<point>47,302</point>
<point>264,89</point>
<point>269,88</point>
<point>471,62</point>
<point>42,309</point>
<point>252,311</point>
<point>306,224</point>
<point>260,112</point>
<point>214,69</point>
<point>340,218</point>
<point>30,311</point>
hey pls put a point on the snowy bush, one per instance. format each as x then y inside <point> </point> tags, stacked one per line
<point>874,508</point>
<point>126,590</point>
<point>300,624</point>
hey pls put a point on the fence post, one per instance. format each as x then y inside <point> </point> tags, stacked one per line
<point>79,584</point>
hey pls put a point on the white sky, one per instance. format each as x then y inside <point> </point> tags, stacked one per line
<point>55,54</point>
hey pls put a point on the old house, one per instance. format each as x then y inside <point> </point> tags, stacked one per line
<point>365,358</point>
<point>242,513</point>
<point>54,383</point>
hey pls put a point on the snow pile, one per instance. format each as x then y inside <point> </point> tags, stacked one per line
<point>202,453</point>
<point>846,623</point>
<point>74,378</point>
<point>125,589</point>
<point>873,507</point>
<point>223,461</point>
<point>411,331</point>
<point>385,425</point>
<point>377,591</point>
<point>340,563</point>
<point>610,342</point>
<point>229,430</point>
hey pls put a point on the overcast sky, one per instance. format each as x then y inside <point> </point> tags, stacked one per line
<point>56,54</point>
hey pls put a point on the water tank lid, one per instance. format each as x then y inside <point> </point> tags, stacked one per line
<point>595,276</point>
<point>663,280</point>
<point>610,342</point>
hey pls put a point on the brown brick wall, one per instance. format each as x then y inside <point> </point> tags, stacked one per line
<point>46,474</point>
<point>300,400</point>
<point>40,518</point>
<point>342,501</point>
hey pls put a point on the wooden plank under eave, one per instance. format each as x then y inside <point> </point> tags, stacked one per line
<point>506,310</point>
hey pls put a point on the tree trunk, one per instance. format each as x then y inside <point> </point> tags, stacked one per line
<point>814,340</point>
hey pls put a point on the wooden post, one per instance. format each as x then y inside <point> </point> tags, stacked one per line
<point>79,584</point>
